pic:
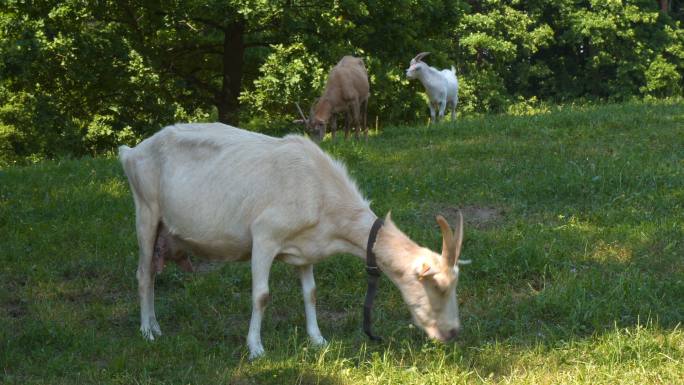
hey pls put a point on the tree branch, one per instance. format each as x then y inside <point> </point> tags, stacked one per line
<point>260,44</point>
<point>194,80</point>
<point>201,48</point>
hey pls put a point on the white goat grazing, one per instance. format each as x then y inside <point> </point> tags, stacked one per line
<point>441,86</point>
<point>222,193</point>
<point>346,91</point>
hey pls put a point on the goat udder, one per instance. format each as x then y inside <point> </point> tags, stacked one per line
<point>163,251</point>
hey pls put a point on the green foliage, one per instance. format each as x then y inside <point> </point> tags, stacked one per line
<point>288,74</point>
<point>662,79</point>
<point>73,85</point>
<point>496,48</point>
<point>80,77</point>
<point>604,49</point>
<point>577,279</point>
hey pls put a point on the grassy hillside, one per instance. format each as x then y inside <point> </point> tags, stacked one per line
<point>574,223</point>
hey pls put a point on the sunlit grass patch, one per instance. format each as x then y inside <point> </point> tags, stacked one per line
<point>574,223</point>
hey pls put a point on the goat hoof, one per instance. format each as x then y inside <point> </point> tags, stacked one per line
<point>150,329</point>
<point>318,341</point>
<point>154,326</point>
<point>256,352</point>
<point>147,333</point>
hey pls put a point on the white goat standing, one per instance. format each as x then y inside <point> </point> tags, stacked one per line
<point>223,193</point>
<point>441,86</point>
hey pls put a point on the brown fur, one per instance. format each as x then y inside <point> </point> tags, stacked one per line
<point>264,300</point>
<point>346,91</point>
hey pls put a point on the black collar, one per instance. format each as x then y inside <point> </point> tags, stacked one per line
<point>373,275</point>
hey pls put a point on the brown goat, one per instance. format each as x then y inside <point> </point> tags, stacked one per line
<point>346,91</point>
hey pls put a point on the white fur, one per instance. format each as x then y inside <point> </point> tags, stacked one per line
<point>441,87</point>
<point>228,194</point>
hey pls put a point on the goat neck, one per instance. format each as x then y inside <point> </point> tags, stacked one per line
<point>352,230</point>
<point>395,251</point>
<point>431,78</point>
<point>323,110</point>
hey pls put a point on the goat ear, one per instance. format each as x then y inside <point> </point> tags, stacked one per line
<point>425,270</point>
<point>299,121</point>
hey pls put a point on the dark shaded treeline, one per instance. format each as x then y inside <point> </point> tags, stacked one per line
<point>81,77</point>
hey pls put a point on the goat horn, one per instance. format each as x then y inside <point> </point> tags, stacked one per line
<point>300,112</point>
<point>458,241</point>
<point>421,56</point>
<point>447,240</point>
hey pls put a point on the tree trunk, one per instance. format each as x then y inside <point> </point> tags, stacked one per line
<point>233,57</point>
<point>664,6</point>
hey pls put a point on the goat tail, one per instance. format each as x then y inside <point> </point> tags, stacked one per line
<point>125,153</point>
<point>123,149</point>
<point>453,70</point>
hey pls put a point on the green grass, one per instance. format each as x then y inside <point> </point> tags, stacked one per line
<point>579,279</point>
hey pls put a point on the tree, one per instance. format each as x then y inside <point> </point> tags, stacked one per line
<point>82,76</point>
<point>199,44</point>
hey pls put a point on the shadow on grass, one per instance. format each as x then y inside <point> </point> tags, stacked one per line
<point>290,375</point>
<point>572,257</point>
